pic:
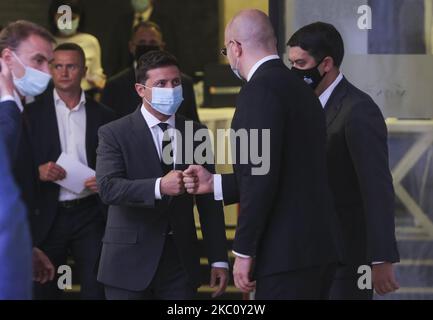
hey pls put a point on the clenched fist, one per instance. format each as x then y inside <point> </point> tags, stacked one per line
<point>172,183</point>
<point>51,172</point>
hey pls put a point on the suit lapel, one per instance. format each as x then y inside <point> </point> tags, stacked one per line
<point>333,106</point>
<point>92,124</point>
<point>49,117</point>
<point>144,142</point>
<point>180,148</point>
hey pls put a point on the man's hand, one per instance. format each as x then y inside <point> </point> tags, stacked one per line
<point>91,184</point>
<point>51,172</point>
<point>43,269</point>
<point>6,82</point>
<point>222,275</point>
<point>172,184</point>
<point>241,274</point>
<point>198,180</point>
<point>384,279</point>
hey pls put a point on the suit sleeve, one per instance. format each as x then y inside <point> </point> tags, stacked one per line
<point>15,241</point>
<point>212,222</point>
<point>114,186</point>
<point>259,110</point>
<point>366,135</point>
<point>10,124</point>
<point>230,189</point>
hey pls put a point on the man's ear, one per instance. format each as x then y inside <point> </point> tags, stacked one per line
<point>6,55</point>
<point>84,72</point>
<point>140,89</point>
<point>328,64</point>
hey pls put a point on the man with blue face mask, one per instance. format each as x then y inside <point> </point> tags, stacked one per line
<point>150,246</point>
<point>25,52</point>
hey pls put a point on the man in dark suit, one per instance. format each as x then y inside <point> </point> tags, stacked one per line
<point>139,11</point>
<point>286,224</point>
<point>65,121</point>
<point>25,52</point>
<point>357,158</point>
<point>150,246</point>
<point>119,92</point>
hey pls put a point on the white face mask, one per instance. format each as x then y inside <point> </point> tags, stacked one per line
<point>166,100</point>
<point>68,31</point>
<point>33,82</point>
<point>236,70</point>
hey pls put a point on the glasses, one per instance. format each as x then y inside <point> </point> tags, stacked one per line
<point>223,51</point>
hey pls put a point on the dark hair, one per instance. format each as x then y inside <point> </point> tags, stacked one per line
<point>153,60</point>
<point>76,7</point>
<point>146,25</point>
<point>16,32</point>
<point>69,46</point>
<point>320,40</point>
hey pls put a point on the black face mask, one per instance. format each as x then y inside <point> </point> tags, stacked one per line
<point>312,76</point>
<point>143,49</point>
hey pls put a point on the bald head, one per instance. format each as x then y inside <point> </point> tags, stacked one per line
<point>253,29</point>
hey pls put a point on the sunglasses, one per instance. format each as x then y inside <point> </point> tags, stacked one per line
<point>223,51</point>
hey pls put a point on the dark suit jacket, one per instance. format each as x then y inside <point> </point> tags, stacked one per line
<point>15,240</point>
<point>127,169</point>
<point>357,154</point>
<point>10,126</point>
<point>286,219</point>
<point>46,147</point>
<point>120,95</point>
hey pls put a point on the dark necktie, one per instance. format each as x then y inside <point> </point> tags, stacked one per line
<point>166,143</point>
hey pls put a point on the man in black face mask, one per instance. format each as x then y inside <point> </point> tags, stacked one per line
<point>357,159</point>
<point>119,93</point>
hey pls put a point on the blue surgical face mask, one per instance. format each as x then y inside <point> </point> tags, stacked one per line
<point>166,100</point>
<point>33,83</point>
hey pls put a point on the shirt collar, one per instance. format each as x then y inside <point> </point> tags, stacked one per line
<point>324,97</point>
<point>80,104</point>
<point>259,63</point>
<point>18,101</point>
<point>152,121</point>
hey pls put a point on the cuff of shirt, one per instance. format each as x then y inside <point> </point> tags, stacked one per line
<point>241,255</point>
<point>224,265</point>
<point>375,263</point>
<point>7,98</point>
<point>217,187</point>
<point>158,189</point>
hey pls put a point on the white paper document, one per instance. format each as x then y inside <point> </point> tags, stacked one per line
<point>76,173</point>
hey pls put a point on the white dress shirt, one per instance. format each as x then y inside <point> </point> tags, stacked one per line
<point>324,97</point>
<point>72,134</point>
<point>157,135</point>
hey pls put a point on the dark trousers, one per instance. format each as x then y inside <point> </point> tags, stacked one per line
<point>170,282</point>
<point>77,232</point>
<point>345,285</point>
<point>306,284</point>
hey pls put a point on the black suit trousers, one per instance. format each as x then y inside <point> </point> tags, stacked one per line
<point>76,232</point>
<point>312,283</point>
<point>171,281</point>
